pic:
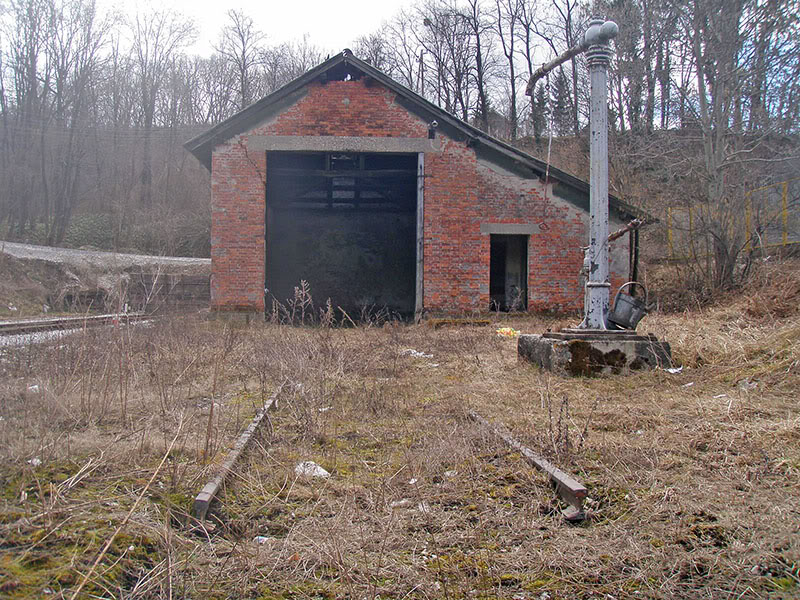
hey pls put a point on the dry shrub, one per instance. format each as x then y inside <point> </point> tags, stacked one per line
<point>775,292</point>
<point>673,288</point>
<point>771,289</point>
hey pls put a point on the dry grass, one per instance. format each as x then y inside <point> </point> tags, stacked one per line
<point>24,285</point>
<point>693,477</point>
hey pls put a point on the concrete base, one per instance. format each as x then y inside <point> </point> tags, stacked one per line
<point>586,352</point>
<point>242,316</point>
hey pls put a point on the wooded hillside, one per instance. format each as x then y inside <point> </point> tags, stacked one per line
<point>94,107</point>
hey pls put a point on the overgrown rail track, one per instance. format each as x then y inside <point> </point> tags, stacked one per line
<point>566,487</point>
<point>421,501</point>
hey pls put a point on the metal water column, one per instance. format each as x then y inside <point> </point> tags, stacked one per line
<point>595,44</point>
<point>598,56</point>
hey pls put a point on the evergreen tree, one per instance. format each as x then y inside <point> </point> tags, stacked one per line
<point>563,122</point>
<point>539,112</point>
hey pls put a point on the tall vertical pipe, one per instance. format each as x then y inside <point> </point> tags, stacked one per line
<point>598,286</point>
<point>598,52</point>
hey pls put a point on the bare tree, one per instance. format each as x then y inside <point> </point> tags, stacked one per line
<point>480,27</point>
<point>54,53</point>
<point>445,37</point>
<point>568,28</point>
<point>76,43</point>
<point>374,49</point>
<point>25,124</point>
<point>301,56</point>
<point>508,18</point>
<point>157,37</point>
<point>406,62</point>
<point>241,45</point>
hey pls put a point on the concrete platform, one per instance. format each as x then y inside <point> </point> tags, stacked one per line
<point>587,352</point>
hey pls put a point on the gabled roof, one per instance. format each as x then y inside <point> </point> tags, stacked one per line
<point>487,146</point>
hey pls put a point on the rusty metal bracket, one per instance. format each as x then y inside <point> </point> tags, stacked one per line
<point>567,487</point>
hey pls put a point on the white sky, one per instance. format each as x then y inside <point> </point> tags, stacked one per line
<point>331,26</point>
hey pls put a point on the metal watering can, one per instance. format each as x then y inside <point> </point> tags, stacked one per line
<point>628,310</point>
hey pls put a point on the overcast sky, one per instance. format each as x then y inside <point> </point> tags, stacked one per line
<point>331,26</point>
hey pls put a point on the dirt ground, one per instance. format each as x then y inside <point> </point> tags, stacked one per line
<point>38,280</point>
<point>693,477</point>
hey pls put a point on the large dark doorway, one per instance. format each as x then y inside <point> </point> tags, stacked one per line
<point>346,224</point>
<point>508,272</point>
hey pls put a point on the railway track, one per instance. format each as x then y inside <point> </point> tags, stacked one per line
<point>23,326</point>
<point>565,486</point>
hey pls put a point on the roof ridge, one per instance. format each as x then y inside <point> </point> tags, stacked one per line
<point>201,146</point>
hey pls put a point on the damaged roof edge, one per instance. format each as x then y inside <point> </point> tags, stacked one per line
<point>202,146</point>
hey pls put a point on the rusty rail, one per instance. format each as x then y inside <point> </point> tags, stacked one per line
<point>567,487</point>
<point>203,500</point>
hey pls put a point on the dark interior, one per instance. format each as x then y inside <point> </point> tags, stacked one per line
<point>346,224</point>
<point>508,272</point>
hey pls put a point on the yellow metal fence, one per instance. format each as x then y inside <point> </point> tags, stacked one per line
<point>768,217</point>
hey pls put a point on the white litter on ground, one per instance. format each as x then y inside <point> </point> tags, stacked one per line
<point>748,384</point>
<point>309,468</point>
<point>415,353</point>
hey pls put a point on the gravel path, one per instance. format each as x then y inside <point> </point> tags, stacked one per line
<point>106,261</point>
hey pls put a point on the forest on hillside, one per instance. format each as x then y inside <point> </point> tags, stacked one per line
<point>704,106</point>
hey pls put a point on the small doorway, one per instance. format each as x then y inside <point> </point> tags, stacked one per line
<point>508,272</point>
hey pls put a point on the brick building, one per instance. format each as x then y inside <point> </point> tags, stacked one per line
<point>374,196</point>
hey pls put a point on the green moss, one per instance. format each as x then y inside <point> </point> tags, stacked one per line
<point>509,579</point>
<point>55,557</point>
<point>541,581</point>
<point>29,480</point>
<point>632,585</point>
<point>457,565</point>
<point>305,591</point>
<point>181,500</point>
<point>784,583</point>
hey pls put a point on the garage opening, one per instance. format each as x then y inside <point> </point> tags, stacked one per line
<point>508,272</point>
<point>346,224</point>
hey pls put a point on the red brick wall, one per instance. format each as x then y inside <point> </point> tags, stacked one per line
<point>237,228</point>
<point>456,276</point>
<point>460,194</point>
<point>554,253</point>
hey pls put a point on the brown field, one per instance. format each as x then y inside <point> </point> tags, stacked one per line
<point>693,478</point>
